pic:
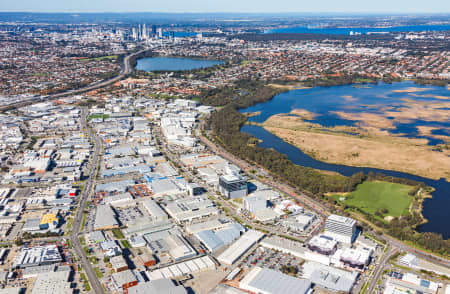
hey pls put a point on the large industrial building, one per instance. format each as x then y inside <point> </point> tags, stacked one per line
<point>52,283</point>
<point>183,268</point>
<point>214,240</point>
<point>267,281</point>
<point>105,218</point>
<point>341,228</point>
<point>191,208</point>
<point>328,277</point>
<point>154,210</point>
<point>38,255</point>
<point>238,248</point>
<point>161,286</point>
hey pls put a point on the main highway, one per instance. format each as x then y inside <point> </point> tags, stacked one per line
<point>88,189</point>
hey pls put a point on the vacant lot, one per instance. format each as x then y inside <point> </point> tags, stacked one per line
<point>388,199</point>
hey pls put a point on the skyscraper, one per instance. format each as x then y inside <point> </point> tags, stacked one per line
<point>144,32</point>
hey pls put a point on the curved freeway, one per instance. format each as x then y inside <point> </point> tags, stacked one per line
<point>126,70</point>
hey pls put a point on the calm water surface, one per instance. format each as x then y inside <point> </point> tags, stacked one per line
<point>324,101</point>
<point>174,63</point>
<point>346,31</point>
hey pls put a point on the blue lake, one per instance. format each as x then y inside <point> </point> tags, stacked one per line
<point>174,63</point>
<point>324,101</point>
<point>383,100</point>
<point>362,30</point>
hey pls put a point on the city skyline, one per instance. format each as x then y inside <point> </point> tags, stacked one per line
<point>232,6</point>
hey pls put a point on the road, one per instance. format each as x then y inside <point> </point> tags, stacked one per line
<point>378,272</point>
<point>88,189</point>
<point>126,70</point>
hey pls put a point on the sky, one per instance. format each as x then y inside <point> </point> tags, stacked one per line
<point>266,6</point>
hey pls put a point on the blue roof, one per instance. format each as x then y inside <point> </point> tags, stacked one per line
<point>425,283</point>
<point>214,240</point>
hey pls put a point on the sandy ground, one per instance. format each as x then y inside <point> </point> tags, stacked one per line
<point>411,90</point>
<point>430,96</point>
<point>303,113</point>
<point>371,150</point>
<point>289,87</point>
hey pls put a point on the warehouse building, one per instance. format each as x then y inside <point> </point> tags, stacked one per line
<point>105,218</point>
<point>154,210</point>
<point>214,240</point>
<point>191,208</point>
<point>161,286</point>
<point>183,269</point>
<point>328,277</point>
<point>38,255</point>
<point>52,283</point>
<point>119,200</point>
<point>284,245</point>
<point>238,248</point>
<point>171,242</point>
<point>267,281</point>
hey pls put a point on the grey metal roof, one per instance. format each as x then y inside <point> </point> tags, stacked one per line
<point>271,281</point>
<point>104,217</point>
<point>161,286</point>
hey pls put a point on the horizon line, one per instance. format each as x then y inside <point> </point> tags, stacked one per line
<point>229,12</point>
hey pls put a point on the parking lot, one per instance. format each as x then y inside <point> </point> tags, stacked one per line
<point>275,260</point>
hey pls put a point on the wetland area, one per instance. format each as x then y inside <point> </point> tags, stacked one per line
<point>399,129</point>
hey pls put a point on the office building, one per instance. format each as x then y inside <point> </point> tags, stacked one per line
<point>341,228</point>
<point>233,186</point>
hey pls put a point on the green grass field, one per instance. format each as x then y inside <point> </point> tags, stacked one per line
<point>104,116</point>
<point>389,199</point>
